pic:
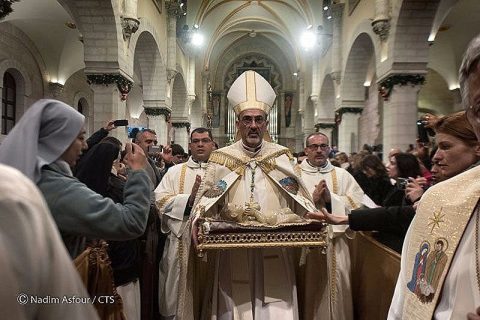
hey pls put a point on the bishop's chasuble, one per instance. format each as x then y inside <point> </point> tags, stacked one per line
<point>251,283</point>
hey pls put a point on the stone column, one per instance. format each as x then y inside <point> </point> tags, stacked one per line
<point>110,92</point>
<point>182,133</point>
<point>457,100</point>
<point>301,95</point>
<point>326,128</point>
<point>299,131</point>
<point>348,129</point>
<point>337,12</point>
<point>157,120</point>
<point>173,10</point>
<point>400,92</point>
<point>223,112</point>
<point>381,22</point>
<point>195,121</point>
<point>325,123</point>
<point>205,79</point>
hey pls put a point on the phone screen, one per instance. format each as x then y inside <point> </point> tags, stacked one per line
<point>422,132</point>
<point>153,149</point>
<point>120,123</point>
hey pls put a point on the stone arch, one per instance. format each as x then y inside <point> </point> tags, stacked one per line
<point>434,95</point>
<point>84,100</point>
<point>20,74</point>
<point>412,23</point>
<point>179,99</point>
<point>229,75</point>
<point>355,75</point>
<point>135,104</point>
<point>326,106</point>
<point>180,112</point>
<point>90,16</point>
<point>370,122</point>
<point>21,99</point>
<point>152,72</point>
<point>244,49</point>
<point>309,115</point>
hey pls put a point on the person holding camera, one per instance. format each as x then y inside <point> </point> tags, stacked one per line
<point>401,166</point>
<point>146,139</point>
<point>153,240</point>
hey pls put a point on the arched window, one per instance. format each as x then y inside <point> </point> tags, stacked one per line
<point>82,106</point>
<point>9,103</point>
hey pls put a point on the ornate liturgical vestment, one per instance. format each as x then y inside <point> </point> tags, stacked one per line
<point>438,269</point>
<point>253,283</point>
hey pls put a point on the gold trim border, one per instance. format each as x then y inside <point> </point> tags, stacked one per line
<point>262,240</point>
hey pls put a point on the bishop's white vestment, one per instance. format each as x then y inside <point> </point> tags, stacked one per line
<point>252,283</point>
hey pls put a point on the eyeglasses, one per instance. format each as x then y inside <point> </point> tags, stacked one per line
<point>316,146</point>
<point>204,141</point>
<point>248,121</point>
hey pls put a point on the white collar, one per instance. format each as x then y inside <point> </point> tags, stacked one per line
<point>195,164</point>
<point>252,152</point>
<point>309,168</point>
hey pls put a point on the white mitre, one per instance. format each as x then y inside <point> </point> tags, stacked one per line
<point>251,91</point>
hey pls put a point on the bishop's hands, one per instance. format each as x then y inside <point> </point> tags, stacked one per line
<point>195,187</point>
<point>321,194</point>
<point>324,216</point>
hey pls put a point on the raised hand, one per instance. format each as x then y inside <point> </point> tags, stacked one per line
<point>135,156</point>
<point>195,187</point>
<point>321,194</point>
<point>323,215</point>
<point>109,126</point>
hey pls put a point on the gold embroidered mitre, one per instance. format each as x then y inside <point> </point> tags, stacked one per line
<point>251,91</point>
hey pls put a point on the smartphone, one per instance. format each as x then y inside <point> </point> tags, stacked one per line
<point>154,149</point>
<point>422,132</point>
<point>120,123</point>
<point>402,183</point>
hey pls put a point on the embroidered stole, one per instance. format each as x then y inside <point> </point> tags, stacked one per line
<point>436,231</point>
<point>268,164</point>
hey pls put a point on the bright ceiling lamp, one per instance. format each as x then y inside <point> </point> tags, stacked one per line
<point>197,39</point>
<point>308,39</point>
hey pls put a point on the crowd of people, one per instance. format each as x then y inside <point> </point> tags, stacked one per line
<point>97,217</point>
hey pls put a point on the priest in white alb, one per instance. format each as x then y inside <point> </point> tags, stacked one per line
<point>175,196</point>
<point>336,190</point>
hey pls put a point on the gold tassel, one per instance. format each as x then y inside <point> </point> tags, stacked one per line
<point>226,160</point>
<point>269,163</point>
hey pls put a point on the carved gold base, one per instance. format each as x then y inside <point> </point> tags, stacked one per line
<point>262,239</point>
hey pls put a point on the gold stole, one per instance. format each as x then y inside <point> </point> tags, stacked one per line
<point>436,231</point>
<point>271,164</point>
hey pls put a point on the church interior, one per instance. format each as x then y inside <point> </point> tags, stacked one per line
<point>359,71</point>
